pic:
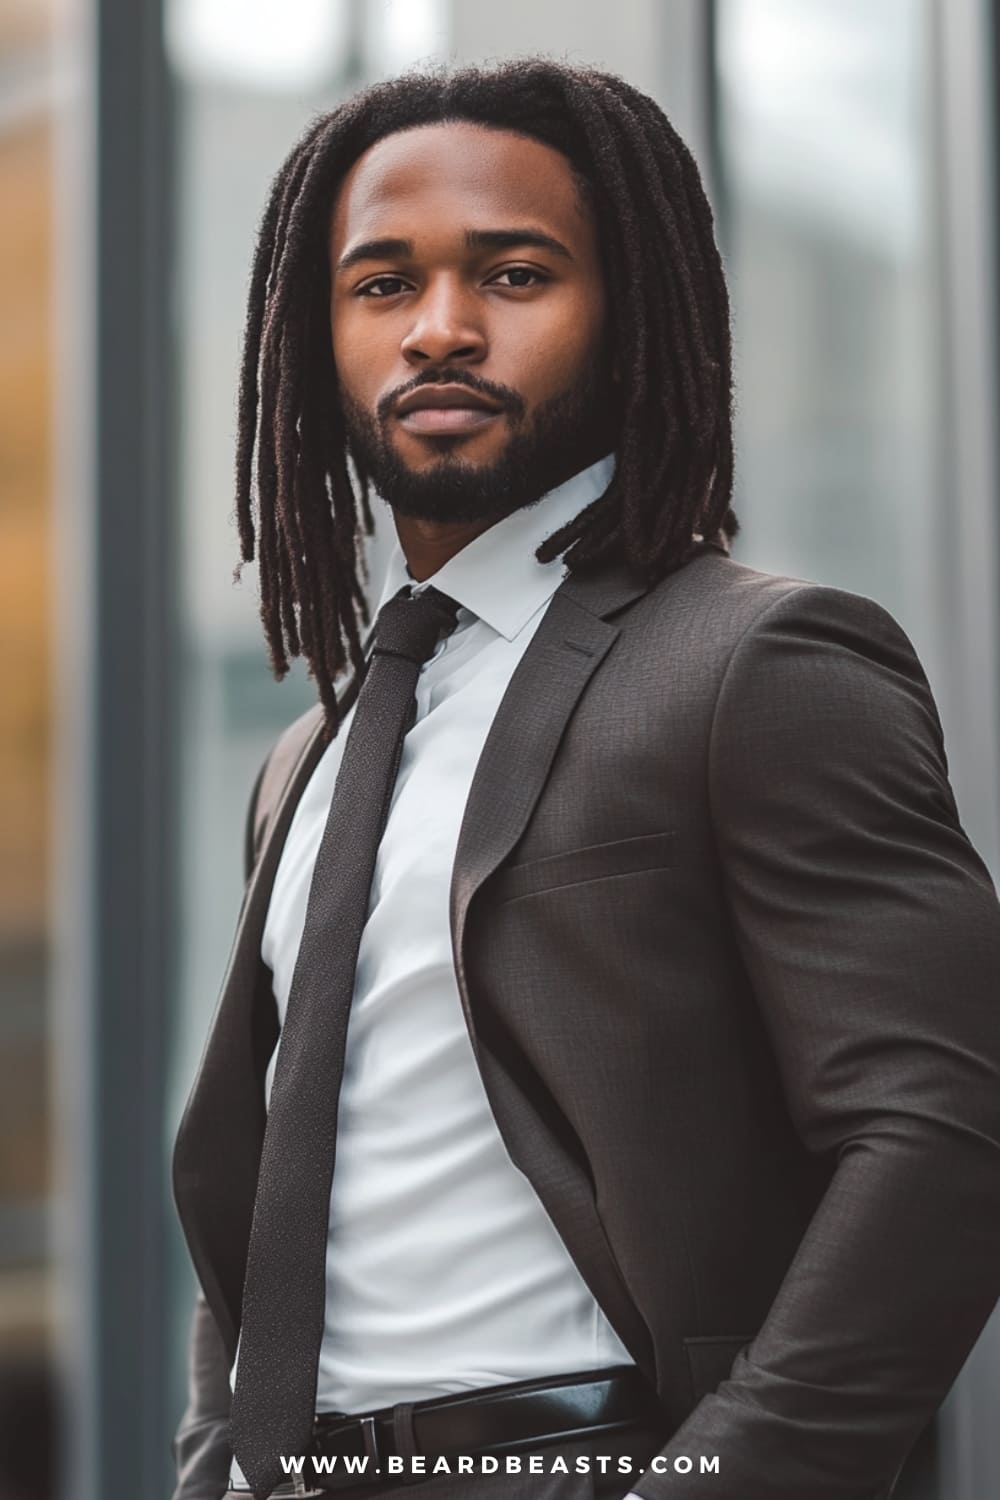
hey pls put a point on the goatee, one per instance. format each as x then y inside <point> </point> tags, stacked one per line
<point>566,433</point>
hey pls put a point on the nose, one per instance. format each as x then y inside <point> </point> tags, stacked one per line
<point>447,327</point>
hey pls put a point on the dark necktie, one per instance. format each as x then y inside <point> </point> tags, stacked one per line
<point>284,1293</point>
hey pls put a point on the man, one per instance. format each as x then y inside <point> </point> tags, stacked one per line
<point>637,1098</point>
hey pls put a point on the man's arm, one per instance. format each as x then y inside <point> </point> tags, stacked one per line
<point>201,1448</point>
<point>201,1444</point>
<point>870,930</point>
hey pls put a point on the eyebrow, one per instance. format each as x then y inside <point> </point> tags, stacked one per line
<point>475,239</point>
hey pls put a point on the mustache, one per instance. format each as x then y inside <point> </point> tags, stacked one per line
<point>506,398</point>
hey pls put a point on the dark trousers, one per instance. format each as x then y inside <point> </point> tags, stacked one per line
<point>594,1471</point>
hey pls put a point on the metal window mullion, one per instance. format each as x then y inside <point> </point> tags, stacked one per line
<point>122,891</point>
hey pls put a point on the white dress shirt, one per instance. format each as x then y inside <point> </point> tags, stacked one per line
<point>444,1271</point>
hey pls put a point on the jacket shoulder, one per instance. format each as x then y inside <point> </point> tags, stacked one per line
<point>272,778</point>
<point>717,601</point>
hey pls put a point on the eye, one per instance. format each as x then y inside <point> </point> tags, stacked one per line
<point>523,271</point>
<point>369,287</point>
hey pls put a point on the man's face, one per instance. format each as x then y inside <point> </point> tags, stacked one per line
<point>465,269</point>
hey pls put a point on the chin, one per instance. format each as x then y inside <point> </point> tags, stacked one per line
<point>483,446</point>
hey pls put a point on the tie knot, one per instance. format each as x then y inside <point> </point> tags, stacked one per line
<point>411,625</point>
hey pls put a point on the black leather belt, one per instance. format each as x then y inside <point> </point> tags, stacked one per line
<point>492,1419</point>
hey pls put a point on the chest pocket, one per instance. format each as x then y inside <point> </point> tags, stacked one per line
<point>620,857</point>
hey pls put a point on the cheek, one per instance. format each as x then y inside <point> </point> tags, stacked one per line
<point>357,354</point>
<point>551,344</point>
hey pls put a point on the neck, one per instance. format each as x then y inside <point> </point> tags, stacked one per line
<point>427,545</point>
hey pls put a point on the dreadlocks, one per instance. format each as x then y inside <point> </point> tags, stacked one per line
<point>669,315</point>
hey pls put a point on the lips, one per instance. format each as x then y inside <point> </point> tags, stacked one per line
<point>445,409</point>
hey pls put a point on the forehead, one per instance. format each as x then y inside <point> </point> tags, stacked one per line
<point>457,174</point>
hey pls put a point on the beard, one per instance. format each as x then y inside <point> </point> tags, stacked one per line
<point>565,434</point>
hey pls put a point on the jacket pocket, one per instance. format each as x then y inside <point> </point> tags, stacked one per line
<point>710,1359</point>
<point>647,851</point>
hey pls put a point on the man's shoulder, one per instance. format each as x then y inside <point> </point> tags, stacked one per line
<point>293,739</point>
<point>714,601</point>
<point>274,775</point>
<point>732,590</point>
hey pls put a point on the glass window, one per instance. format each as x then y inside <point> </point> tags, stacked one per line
<point>826,153</point>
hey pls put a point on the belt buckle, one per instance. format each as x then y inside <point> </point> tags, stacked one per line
<point>370,1439</point>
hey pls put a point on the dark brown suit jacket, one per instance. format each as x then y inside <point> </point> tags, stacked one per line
<point>729,964</point>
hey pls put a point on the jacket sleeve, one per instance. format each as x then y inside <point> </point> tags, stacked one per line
<point>201,1450</point>
<point>870,930</point>
<point>201,1444</point>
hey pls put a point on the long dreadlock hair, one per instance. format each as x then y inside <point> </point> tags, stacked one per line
<point>669,307</point>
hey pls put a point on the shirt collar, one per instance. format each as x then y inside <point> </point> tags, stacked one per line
<point>496,576</point>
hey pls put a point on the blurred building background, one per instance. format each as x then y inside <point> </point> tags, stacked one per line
<point>850,147</point>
